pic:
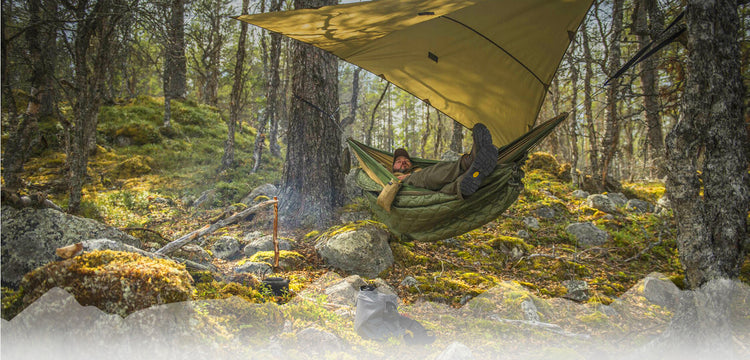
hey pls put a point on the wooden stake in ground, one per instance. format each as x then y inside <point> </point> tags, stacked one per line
<point>275,233</point>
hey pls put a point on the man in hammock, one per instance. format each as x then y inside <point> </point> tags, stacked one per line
<point>461,177</point>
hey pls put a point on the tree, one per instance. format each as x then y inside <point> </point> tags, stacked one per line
<point>611,138</point>
<point>93,34</point>
<point>312,179</point>
<point>208,34</point>
<point>175,63</point>
<point>709,145</point>
<point>235,105</point>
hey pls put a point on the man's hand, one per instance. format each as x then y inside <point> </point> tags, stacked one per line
<point>402,176</point>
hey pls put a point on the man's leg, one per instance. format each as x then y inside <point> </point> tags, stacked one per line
<point>484,160</point>
<point>435,177</point>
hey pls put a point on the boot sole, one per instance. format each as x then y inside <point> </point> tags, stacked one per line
<point>484,161</point>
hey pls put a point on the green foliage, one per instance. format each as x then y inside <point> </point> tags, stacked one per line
<point>12,301</point>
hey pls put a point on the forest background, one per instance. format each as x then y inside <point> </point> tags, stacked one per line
<point>81,78</point>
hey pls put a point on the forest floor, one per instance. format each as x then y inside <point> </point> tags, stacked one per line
<point>143,177</point>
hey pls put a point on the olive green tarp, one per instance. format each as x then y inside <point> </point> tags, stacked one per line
<point>488,61</point>
<point>423,214</point>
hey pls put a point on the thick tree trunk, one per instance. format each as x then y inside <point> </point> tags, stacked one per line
<point>572,119</point>
<point>710,136</point>
<point>313,179</point>
<point>175,63</point>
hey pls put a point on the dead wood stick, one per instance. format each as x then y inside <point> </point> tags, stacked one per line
<point>186,239</point>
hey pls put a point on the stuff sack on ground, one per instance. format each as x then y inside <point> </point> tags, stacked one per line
<point>377,318</point>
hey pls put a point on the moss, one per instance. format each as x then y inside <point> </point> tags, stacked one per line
<point>543,161</point>
<point>352,226</point>
<point>135,166</point>
<point>287,259</point>
<point>115,282</point>
<point>404,256</point>
<point>312,235</point>
<point>12,303</point>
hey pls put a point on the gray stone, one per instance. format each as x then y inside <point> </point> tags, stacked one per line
<point>363,250</point>
<point>578,290</point>
<point>580,194</point>
<point>194,253</point>
<point>265,244</point>
<point>267,190</point>
<point>409,281</point>
<point>638,206</point>
<point>252,236</point>
<point>345,292</point>
<point>456,351</point>
<point>260,269</point>
<point>601,202</point>
<point>663,205</point>
<point>531,223</point>
<point>618,198</point>
<point>660,291</point>
<point>587,234</point>
<point>523,234</point>
<point>30,237</point>
<point>353,216</point>
<point>205,199</point>
<point>530,312</point>
<point>226,248</point>
<point>351,189</point>
<point>545,212</point>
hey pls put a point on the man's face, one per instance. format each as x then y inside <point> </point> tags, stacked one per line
<point>402,164</point>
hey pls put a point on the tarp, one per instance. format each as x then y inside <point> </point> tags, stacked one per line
<point>488,61</point>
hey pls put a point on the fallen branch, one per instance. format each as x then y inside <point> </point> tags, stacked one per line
<point>186,239</point>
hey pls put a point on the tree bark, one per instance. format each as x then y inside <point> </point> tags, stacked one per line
<point>457,137</point>
<point>573,119</point>
<point>275,101</point>
<point>312,179</point>
<point>710,135</point>
<point>588,103</point>
<point>235,102</point>
<point>611,139</point>
<point>175,63</point>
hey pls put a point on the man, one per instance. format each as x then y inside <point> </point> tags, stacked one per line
<point>461,177</point>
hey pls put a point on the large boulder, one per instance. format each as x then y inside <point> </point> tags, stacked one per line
<point>265,243</point>
<point>639,206</point>
<point>115,282</point>
<point>619,199</point>
<point>587,234</point>
<point>359,248</point>
<point>226,248</point>
<point>30,237</point>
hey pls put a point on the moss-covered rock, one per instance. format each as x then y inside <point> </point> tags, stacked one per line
<point>288,260</point>
<point>512,247</point>
<point>543,161</point>
<point>115,282</point>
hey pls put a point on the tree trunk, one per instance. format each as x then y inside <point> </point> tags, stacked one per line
<point>712,226</point>
<point>611,139</point>
<point>457,137</point>
<point>572,119</point>
<point>274,89</point>
<point>313,179</point>
<point>175,63</point>
<point>439,137</point>
<point>368,140</point>
<point>427,131</point>
<point>588,103</point>
<point>645,10</point>
<point>235,102</point>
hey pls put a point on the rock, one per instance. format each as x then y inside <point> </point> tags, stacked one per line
<point>288,260</point>
<point>265,244</point>
<point>252,236</point>
<point>266,190</point>
<point>409,281</point>
<point>351,189</point>
<point>30,237</point>
<point>663,205</point>
<point>511,247</point>
<point>578,290</point>
<point>260,269</point>
<point>601,202</point>
<point>193,253</point>
<point>205,200</point>
<point>319,341</point>
<point>383,286</point>
<point>360,248</point>
<point>531,223</point>
<point>115,282</point>
<point>638,206</point>
<point>523,234</point>
<point>345,292</point>
<point>660,291</point>
<point>619,199</point>
<point>587,234</point>
<point>530,312</point>
<point>456,351</point>
<point>579,194</point>
<point>226,248</point>
<point>354,216</point>
<point>545,212</point>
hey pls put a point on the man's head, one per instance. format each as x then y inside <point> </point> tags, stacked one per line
<point>401,161</point>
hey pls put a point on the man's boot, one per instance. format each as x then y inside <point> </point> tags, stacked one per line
<point>483,158</point>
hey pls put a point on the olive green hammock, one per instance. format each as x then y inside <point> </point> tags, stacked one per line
<point>422,214</point>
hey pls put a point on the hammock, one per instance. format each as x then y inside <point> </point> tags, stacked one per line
<point>421,214</point>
